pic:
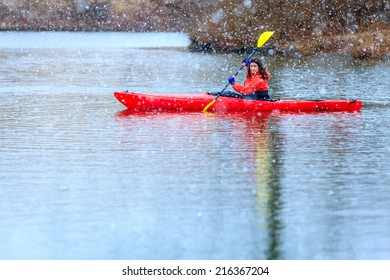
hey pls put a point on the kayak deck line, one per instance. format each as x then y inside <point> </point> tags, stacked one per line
<point>196,102</point>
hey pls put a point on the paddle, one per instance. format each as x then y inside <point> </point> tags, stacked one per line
<point>262,39</point>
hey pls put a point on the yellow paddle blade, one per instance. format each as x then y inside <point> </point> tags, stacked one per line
<point>209,105</point>
<point>264,38</point>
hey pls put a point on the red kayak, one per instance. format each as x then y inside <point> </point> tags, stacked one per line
<point>197,102</point>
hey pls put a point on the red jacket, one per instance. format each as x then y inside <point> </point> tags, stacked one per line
<point>253,84</point>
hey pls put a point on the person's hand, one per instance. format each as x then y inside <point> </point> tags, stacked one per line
<point>246,62</point>
<point>231,80</point>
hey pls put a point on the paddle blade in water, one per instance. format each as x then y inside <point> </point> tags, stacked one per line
<point>209,105</point>
<point>264,38</point>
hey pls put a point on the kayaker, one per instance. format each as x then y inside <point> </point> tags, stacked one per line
<point>255,85</point>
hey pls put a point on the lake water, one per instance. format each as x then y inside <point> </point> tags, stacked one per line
<point>82,178</point>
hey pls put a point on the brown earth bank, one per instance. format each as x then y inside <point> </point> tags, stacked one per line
<point>359,28</point>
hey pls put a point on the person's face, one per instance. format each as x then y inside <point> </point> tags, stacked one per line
<point>254,67</point>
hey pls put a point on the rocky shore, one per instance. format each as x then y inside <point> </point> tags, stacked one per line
<point>357,28</point>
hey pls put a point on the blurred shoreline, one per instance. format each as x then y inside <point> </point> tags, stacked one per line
<point>360,30</point>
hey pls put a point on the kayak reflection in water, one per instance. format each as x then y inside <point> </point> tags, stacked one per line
<point>255,85</point>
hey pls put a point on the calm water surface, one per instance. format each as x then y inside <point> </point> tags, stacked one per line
<point>82,178</point>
